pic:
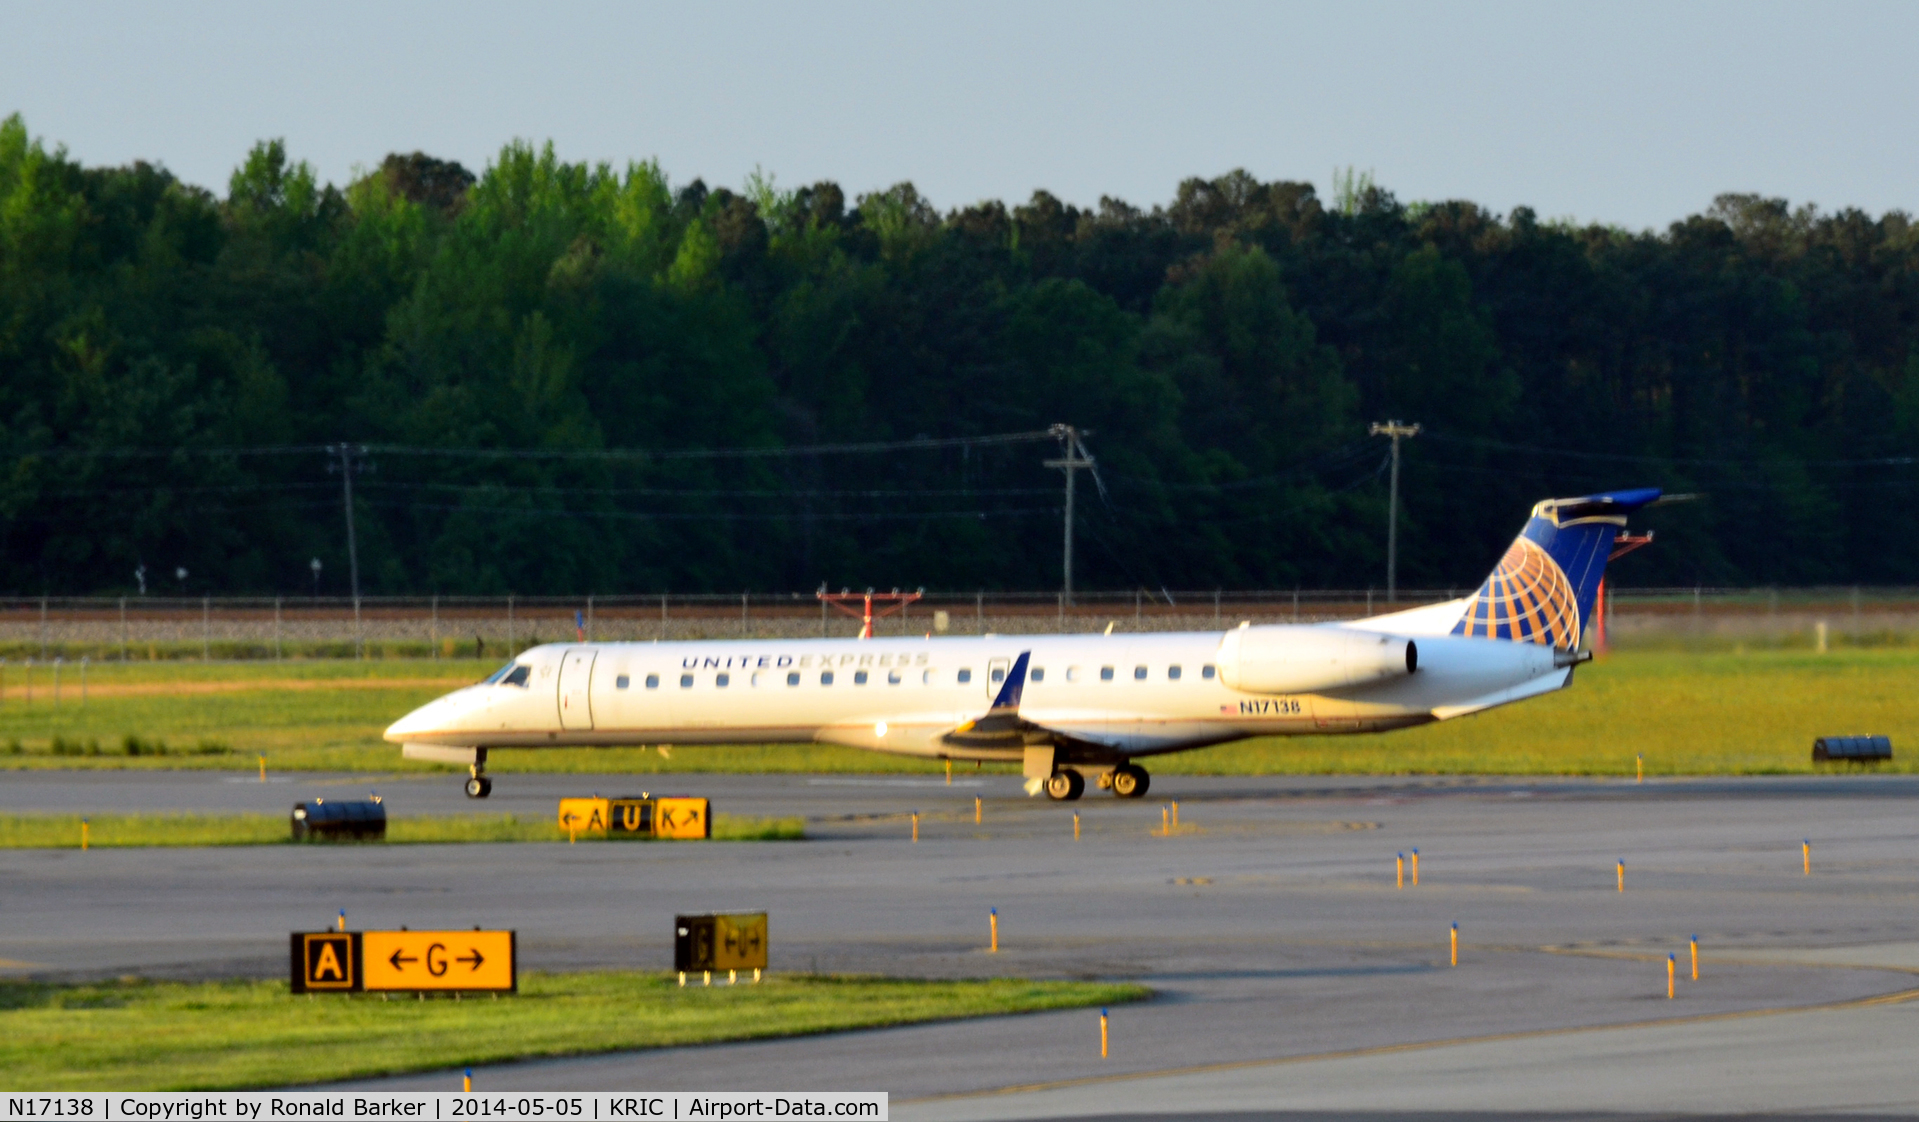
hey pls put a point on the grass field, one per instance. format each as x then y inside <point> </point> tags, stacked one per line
<point>1687,713</point>
<point>62,831</point>
<point>135,1035</point>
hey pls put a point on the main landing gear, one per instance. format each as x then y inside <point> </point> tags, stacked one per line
<point>1128,781</point>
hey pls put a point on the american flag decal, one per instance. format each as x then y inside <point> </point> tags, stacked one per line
<point>1228,710</point>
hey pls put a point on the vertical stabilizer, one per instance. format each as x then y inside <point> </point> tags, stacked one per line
<point>1543,588</point>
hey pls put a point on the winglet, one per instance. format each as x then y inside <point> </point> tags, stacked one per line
<point>1009,693</point>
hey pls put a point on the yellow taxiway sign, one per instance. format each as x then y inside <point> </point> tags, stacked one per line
<point>438,960</point>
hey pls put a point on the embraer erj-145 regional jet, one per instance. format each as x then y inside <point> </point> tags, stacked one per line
<point>1067,707</point>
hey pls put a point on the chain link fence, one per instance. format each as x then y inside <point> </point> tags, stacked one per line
<point>229,628</point>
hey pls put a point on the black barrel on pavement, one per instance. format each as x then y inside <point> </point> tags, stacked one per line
<point>322,820</point>
<point>1866,749</point>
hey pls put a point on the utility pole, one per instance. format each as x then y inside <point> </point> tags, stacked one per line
<point>1395,430</point>
<point>347,454</point>
<point>1076,460</point>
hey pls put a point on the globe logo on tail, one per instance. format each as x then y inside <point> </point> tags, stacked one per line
<point>1527,599</point>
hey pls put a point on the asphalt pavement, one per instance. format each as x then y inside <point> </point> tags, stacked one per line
<point>1289,973</point>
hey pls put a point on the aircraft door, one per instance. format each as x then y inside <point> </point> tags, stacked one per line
<point>996,671</point>
<point>576,679</point>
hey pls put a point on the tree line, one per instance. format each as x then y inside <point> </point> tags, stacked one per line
<point>557,377</point>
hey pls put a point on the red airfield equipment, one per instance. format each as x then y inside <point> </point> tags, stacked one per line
<point>1622,544</point>
<point>865,613</point>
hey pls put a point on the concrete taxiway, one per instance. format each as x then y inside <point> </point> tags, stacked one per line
<point>1289,972</point>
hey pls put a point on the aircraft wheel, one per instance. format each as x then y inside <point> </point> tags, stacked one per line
<point>1065,786</point>
<point>479,787</point>
<point>1131,781</point>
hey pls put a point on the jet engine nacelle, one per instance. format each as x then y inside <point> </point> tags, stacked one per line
<point>1283,659</point>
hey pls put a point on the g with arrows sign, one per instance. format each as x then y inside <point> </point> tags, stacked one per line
<point>439,960</point>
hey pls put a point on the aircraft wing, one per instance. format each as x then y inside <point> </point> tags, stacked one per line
<point>1002,728</point>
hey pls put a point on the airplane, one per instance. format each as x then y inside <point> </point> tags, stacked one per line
<point>1068,708</point>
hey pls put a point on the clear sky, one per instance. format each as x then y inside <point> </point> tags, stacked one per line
<point>1628,113</point>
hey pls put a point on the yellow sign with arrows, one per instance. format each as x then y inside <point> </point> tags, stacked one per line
<point>437,960</point>
<point>681,818</point>
<point>665,817</point>
<point>413,961</point>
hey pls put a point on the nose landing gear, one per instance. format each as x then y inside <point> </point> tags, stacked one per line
<point>478,784</point>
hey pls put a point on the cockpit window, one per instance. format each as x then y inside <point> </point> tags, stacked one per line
<point>512,674</point>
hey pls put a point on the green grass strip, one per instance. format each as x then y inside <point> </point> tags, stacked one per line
<point>62,831</point>
<point>137,1035</point>
<point>1714,713</point>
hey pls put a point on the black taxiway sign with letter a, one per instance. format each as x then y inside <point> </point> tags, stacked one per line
<point>327,962</point>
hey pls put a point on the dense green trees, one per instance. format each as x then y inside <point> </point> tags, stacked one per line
<point>580,378</point>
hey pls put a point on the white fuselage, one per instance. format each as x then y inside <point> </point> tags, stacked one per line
<point>1124,695</point>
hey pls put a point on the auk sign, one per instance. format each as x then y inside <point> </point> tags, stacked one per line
<point>411,961</point>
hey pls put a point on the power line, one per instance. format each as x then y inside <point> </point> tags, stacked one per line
<point>1620,457</point>
<point>771,452</point>
<point>606,454</point>
<point>722,516</point>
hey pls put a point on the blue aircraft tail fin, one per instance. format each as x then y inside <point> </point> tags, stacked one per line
<point>1543,589</point>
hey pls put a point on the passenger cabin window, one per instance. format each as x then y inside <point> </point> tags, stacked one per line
<point>1139,673</point>
<point>652,681</point>
<point>999,674</point>
<point>1207,672</point>
<point>892,677</point>
<point>826,677</point>
<point>1172,673</point>
<point>1072,673</point>
<point>1038,674</point>
<point>792,677</point>
<point>859,677</point>
<point>517,677</point>
<point>1105,673</point>
<point>622,682</point>
<point>722,680</point>
<point>686,681</point>
<point>926,677</point>
<point>964,676</point>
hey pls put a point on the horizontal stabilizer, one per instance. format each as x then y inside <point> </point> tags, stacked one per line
<point>1544,588</point>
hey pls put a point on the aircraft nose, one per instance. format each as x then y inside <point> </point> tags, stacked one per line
<point>426,719</point>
